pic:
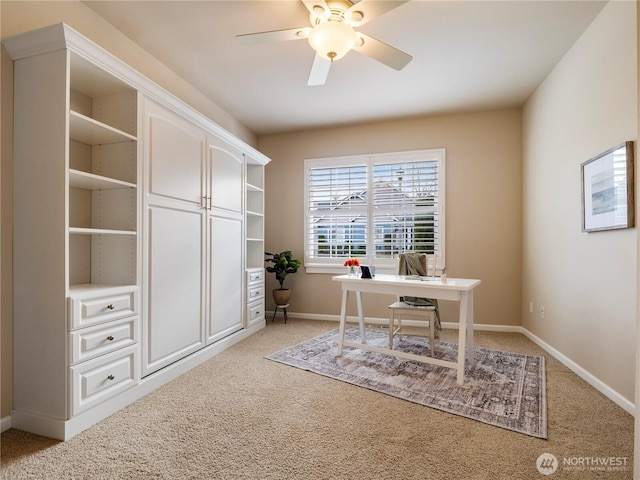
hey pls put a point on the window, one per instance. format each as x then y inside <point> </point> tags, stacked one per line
<point>373,207</point>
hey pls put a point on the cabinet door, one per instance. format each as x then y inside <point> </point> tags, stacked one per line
<point>174,259</point>
<point>226,277</point>
<point>175,153</point>
<point>226,177</point>
<point>175,276</point>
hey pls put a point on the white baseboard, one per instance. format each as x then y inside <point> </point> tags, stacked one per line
<point>595,382</point>
<point>5,423</point>
<point>385,321</point>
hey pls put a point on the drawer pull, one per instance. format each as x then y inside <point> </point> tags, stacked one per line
<point>111,306</point>
<point>111,377</point>
<point>110,338</point>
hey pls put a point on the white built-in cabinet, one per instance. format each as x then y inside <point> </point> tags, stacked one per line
<point>194,219</point>
<point>136,222</point>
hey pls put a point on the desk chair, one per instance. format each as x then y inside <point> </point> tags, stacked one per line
<point>419,308</point>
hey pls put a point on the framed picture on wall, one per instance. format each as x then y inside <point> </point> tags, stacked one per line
<point>607,190</point>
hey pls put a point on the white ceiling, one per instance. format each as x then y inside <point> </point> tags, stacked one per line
<point>467,55</point>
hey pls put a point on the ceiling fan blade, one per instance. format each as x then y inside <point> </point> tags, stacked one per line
<point>366,10</point>
<point>382,52</point>
<point>274,36</point>
<point>319,71</point>
<point>312,4</point>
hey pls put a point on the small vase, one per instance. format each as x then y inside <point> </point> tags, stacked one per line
<point>352,271</point>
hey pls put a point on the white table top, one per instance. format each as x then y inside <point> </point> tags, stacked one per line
<point>459,284</point>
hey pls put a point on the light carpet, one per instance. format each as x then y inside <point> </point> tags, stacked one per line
<point>503,389</point>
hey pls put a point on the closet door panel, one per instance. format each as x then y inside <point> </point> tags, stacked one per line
<point>176,151</point>
<point>175,305</point>
<point>226,176</point>
<point>226,277</point>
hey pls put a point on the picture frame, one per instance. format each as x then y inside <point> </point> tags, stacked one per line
<point>366,272</point>
<point>607,190</point>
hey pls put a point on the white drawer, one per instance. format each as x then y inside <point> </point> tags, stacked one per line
<point>100,306</point>
<point>255,293</point>
<point>255,276</point>
<point>255,312</point>
<point>92,342</point>
<point>97,380</point>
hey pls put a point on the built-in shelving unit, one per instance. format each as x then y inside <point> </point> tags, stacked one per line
<point>102,176</point>
<point>94,231</point>
<point>76,230</point>
<point>102,230</point>
<point>254,237</point>
<point>254,190</point>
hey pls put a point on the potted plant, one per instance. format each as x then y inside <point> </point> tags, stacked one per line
<point>283,264</point>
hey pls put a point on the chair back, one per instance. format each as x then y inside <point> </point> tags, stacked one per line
<point>421,264</point>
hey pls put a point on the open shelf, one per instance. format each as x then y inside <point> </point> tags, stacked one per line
<point>253,188</point>
<point>90,181</point>
<point>98,231</point>
<point>91,132</point>
<point>91,287</point>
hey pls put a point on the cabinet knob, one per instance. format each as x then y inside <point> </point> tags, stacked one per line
<point>111,377</point>
<point>111,306</point>
<point>110,338</point>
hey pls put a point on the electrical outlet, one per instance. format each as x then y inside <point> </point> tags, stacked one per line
<point>541,312</point>
<point>530,307</point>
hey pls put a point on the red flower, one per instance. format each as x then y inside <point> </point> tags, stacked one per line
<point>352,262</point>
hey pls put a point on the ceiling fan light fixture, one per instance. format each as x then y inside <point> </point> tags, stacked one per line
<point>332,40</point>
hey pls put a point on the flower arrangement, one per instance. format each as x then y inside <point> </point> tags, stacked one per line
<point>353,266</point>
<point>351,262</point>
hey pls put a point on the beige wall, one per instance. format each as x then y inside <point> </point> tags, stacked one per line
<point>6,220</point>
<point>636,449</point>
<point>22,16</point>
<point>587,282</point>
<point>483,204</point>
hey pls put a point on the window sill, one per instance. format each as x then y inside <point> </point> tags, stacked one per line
<point>340,270</point>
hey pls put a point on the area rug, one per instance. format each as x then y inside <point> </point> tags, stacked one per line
<point>503,389</point>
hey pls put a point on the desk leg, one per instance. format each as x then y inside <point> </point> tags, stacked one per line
<point>462,337</point>
<point>343,321</point>
<point>470,342</point>
<point>363,337</point>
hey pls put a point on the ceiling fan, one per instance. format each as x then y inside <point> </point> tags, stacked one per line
<point>332,34</point>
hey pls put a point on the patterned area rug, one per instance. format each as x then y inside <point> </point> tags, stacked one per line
<point>503,389</point>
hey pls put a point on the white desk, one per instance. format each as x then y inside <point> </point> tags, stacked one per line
<point>457,289</point>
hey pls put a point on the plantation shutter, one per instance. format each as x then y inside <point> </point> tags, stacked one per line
<point>337,212</point>
<point>406,207</point>
<point>373,207</point>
